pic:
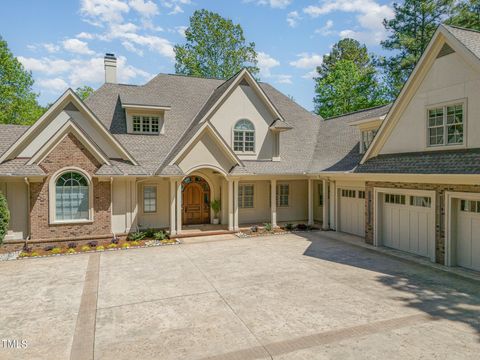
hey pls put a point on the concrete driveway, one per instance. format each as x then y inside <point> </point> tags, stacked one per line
<point>279,297</point>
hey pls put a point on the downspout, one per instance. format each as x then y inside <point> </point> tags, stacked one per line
<point>28,211</point>
<point>111,206</point>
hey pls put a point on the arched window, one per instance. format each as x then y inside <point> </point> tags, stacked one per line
<point>72,197</point>
<point>244,136</point>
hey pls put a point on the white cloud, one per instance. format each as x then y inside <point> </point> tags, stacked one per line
<point>283,79</point>
<point>99,12</point>
<point>55,85</point>
<point>51,48</point>
<point>77,46</point>
<point>78,72</point>
<point>326,29</point>
<point>370,16</point>
<point>292,18</point>
<point>175,5</point>
<point>145,8</point>
<point>130,47</point>
<point>310,75</point>
<point>181,30</point>
<point>85,35</point>
<point>279,4</point>
<point>154,43</point>
<point>307,61</point>
<point>266,63</point>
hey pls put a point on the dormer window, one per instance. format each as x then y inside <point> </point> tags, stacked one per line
<point>145,124</point>
<point>446,125</point>
<point>244,136</point>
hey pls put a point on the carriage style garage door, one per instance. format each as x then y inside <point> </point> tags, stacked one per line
<point>468,234</point>
<point>352,211</point>
<point>408,223</point>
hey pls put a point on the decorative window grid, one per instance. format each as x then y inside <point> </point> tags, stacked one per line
<point>446,125</point>
<point>149,199</point>
<point>283,195</point>
<point>245,196</point>
<point>421,201</point>
<point>146,124</point>
<point>470,206</point>
<point>72,197</point>
<point>395,199</point>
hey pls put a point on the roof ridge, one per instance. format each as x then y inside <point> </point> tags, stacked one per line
<point>359,111</point>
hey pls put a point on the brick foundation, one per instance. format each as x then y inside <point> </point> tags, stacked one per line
<point>69,152</point>
<point>440,220</point>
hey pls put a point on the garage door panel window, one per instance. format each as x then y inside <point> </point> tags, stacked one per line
<point>348,193</point>
<point>470,206</point>
<point>421,201</point>
<point>361,194</point>
<point>395,199</point>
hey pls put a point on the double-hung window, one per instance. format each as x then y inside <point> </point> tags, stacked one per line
<point>446,125</point>
<point>283,195</point>
<point>149,199</point>
<point>245,196</point>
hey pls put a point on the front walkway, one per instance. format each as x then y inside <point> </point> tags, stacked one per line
<point>277,297</point>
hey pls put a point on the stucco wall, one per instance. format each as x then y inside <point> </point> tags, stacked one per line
<point>160,218</point>
<point>260,213</point>
<point>449,79</point>
<point>243,103</point>
<point>124,205</point>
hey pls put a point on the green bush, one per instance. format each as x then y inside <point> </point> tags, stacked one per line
<point>134,243</point>
<point>160,235</point>
<point>149,233</point>
<point>56,250</point>
<point>100,248</point>
<point>268,227</point>
<point>125,245</point>
<point>71,251</point>
<point>4,217</point>
<point>33,254</point>
<point>289,227</point>
<point>136,236</point>
<point>112,246</point>
<point>85,248</point>
<point>216,207</point>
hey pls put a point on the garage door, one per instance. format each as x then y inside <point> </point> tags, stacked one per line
<point>352,211</point>
<point>468,234</point>
<point>408,223</point>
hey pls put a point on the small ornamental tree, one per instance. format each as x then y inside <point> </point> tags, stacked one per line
<point>4,217</point>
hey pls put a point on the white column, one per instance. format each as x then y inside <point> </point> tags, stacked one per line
<point>273,201</point>
<point>235,205</point>
<point>179,206</point>
<point>173,208</point>
<point>231,226</point>
<point>325,205</point>
<point>310,202</point>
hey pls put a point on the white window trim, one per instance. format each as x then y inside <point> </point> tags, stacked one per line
<point>143,198</point>
<point>141,116</point>
<point>445,145</point>
<point>253,198</point>
<point>254,138</point>
<point>52,197</point>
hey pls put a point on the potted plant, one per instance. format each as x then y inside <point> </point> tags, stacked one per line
<point>216,207</point>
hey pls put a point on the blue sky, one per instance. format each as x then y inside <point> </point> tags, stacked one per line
<point>63,42</point>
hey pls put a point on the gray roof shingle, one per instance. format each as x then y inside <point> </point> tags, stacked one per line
<point>9,134</point>
<point>466,161</point>
<point>469,38</point>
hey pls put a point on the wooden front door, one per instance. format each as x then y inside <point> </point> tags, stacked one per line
<point>196,201</point>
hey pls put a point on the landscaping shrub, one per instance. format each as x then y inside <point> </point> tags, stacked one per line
<point>160,235</point>
<point>126,245</point>
<point>4,217</point>
<point>71,251</point>
<point>93,244</point>
<point>33,254</point>
<point>56,250</point>
<point>112,246</point>
<point>48,247</point>
<point>100,248</point>
<point>254,228</point>
<point>85,248</point>
<point>134,243</point>
<point>149,233</point>
<point>115,240</point>
<point>302,227</point>
<point>289,227</point>
<point>136,236</point>
<point>72,245</point>
<point>268,227</point>
<point>23,254</point>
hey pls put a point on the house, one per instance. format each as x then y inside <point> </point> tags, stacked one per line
<point>404,175</point>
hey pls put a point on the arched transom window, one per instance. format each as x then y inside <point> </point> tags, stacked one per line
<point>244,136</point>
<point>72,197</point>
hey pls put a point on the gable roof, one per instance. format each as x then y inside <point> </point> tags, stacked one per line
<point>9,134</point>
<point>463,41</point>
<point>69,96</point>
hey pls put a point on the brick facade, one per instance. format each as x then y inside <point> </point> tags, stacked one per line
<point>440,219</point>
<point>69,152</point>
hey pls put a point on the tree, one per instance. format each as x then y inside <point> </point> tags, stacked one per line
<point>84,92</point>
<point>18,102</point>
<point>215,48</point>
<point>4,217</point>
<point>411,29</point>
<point>347,80</point>
<point>466,14</point>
